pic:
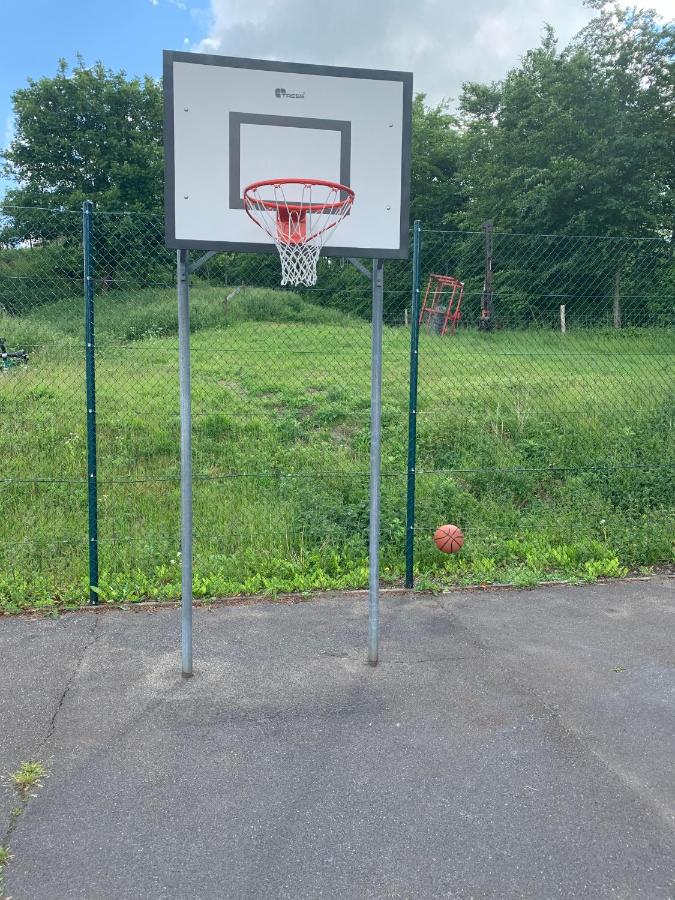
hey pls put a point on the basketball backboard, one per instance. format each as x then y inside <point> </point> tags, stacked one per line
<point>230,122</point>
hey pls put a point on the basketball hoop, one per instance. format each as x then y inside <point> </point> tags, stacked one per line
<point>299,215</point>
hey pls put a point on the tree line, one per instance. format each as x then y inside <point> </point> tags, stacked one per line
<point>573,140</point>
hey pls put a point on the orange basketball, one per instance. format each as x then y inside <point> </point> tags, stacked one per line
<point>449,538</point>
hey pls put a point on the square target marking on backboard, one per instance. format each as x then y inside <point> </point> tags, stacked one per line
<point>231,121</point>
<point>326,145</point>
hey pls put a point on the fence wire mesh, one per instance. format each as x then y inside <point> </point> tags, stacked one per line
<point>553,452</point>
<point>547,434</point>
<point>280,406</point>
<point>42,442</point>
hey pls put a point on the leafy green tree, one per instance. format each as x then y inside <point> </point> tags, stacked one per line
<point>579,140</point>
<point>633,56</point>
<point>87,133</point>
<point>436,196</point>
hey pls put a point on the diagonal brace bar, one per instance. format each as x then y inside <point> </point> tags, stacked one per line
<point>198,263</point>
<point>361,268</point>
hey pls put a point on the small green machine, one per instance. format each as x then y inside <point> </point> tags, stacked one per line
<point>9,360</point>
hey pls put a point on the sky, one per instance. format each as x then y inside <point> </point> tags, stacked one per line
<point>444,42</point>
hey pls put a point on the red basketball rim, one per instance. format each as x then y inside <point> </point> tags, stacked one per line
<point>335,205</point>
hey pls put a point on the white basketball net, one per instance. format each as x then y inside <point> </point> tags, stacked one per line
<point>299,217</point>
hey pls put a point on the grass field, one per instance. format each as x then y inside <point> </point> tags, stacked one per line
<point>554,453</point>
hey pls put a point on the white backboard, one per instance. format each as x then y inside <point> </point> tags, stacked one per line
<point>231,121</point>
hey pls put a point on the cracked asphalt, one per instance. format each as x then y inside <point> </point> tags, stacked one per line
<point>511,744</point>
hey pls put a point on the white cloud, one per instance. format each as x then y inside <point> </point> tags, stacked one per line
<point>663,7</point>
<point>444,42</point>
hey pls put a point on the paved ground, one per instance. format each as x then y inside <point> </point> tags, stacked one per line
<point>510,744</point>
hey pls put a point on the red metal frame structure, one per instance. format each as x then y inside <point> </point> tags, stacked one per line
<point>438,288</point>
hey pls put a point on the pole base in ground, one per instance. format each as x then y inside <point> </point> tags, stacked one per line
<point>186,674</point>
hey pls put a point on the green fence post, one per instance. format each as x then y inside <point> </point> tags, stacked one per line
<point>412,405</point>
<point>90,372</point>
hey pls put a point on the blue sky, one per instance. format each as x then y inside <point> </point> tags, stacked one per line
<point>126,34</point>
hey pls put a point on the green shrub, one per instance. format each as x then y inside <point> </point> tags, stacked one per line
<point>267,305</point>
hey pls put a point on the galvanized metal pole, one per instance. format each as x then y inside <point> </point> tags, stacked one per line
<point>90,375</point>
<point>375,457</point>
<point>486,298</point>
<point>412,406</point>
<point>185,460</point>
<point>485,321</point>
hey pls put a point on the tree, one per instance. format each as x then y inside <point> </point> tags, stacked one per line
<point>87,133</point>
<point>633,56</point>
<point>435,191</point>
<point>579,140</point>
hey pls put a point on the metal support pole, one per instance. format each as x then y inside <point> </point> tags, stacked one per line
<point>375,457</point>
<point>485,322</point>
<point>412,406</point>
<point>90,375</point>
<point>616,299</point>
<point>185,459</point>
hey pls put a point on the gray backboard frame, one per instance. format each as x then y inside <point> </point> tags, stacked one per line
<point>406,78</point>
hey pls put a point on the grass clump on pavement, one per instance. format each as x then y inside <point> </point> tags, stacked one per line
<point>28,776</point>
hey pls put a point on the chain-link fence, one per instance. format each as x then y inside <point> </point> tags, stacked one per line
<point>553,451</point>
<point>43,525</point>
<point>280,407</point>
<point>545,422</point>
